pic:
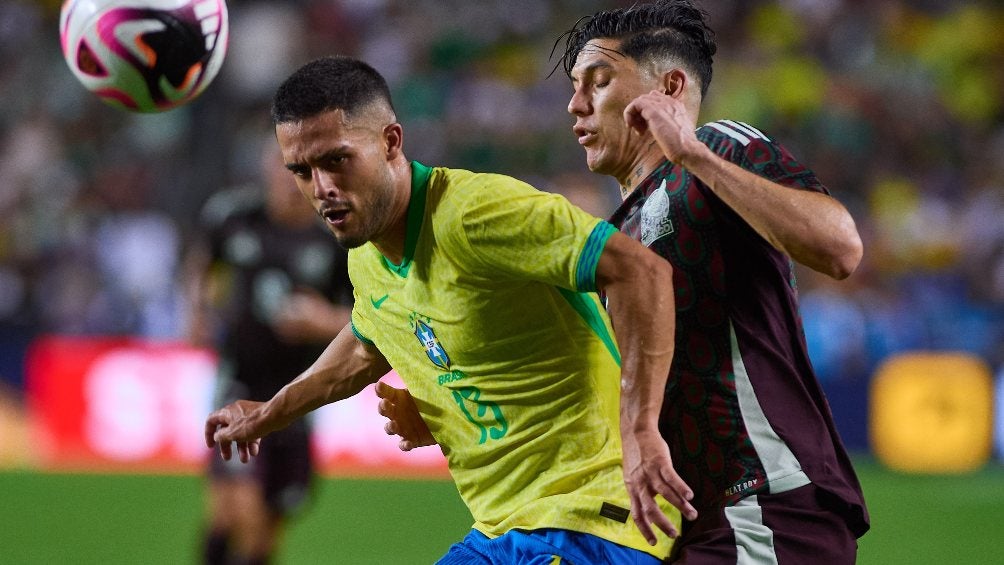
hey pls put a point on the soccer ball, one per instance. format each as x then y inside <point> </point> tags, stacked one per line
<point>144,55</point>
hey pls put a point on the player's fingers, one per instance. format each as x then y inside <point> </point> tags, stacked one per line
<point>242,452</point>
<point>677,493</point>
<point>384,390</point>
<point>210,434</point>
<point>225,450</point>
<point>254,447</point>
<point>638,515</point>
<point>385,408</point>
<point>671,478</point>
<point>405,445</point>
<point>214,423</point>
<point>391,428</point>
<point>634,119</point>
<point>651,513</point>
<point>656,516</point>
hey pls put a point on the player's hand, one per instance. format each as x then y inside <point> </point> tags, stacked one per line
<point>403,419</point>
<point>648,471</point>
<point>667,119</point>
<point>235,423</point>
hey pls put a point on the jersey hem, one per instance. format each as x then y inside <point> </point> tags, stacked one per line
<point>360,336</point>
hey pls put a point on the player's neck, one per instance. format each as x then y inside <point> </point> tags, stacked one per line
<point>391,241</point>
<point>391,244</point>
<point>647,161</point>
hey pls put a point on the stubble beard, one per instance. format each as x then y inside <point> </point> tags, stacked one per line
<point>375,220</point>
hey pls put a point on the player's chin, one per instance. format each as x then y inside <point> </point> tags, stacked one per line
<point>347,239</point>
<point>596,163</point>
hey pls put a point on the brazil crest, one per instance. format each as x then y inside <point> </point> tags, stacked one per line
<point>433,349</point>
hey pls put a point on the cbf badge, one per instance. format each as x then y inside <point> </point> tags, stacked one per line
<point>433,349</point>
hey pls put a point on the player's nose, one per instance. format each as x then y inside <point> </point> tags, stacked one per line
<point>325,185</point>
<point>579,104</point>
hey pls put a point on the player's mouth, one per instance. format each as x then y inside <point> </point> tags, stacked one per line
<point>334,216</point>
<point>585,136</point>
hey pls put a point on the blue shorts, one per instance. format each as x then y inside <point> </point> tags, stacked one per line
<point>542,547</point>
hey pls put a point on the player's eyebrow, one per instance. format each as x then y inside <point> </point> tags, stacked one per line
<point>339,151</point>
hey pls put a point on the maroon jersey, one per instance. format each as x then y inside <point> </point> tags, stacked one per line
<point>743,411</point>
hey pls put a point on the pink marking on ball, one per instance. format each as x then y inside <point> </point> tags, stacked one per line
<point>117,95</point>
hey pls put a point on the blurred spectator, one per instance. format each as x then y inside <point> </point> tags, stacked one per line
<point>269,289</point>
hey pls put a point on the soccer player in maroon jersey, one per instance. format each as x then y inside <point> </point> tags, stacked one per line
<point>745,419</point>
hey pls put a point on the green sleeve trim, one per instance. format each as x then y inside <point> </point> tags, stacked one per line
<point>585,271</point>
<point>590,314</point>
<point>360,336</point>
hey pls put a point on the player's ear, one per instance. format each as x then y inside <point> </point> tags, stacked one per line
<point>393,138</point>
<point>674,82</point>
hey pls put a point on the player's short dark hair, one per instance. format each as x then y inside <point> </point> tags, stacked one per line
<point>666,28</point>
<point>328,83</point>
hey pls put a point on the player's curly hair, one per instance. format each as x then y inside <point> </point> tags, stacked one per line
<point>328,83</point>
<point>661,29</point>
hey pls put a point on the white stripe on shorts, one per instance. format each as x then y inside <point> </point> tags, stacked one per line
<point>754,540</point>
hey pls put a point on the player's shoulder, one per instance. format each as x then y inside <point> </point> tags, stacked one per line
<point>229,205</point>
<point>730,132</point>
<point>476,183</point>
<point>457,193</point>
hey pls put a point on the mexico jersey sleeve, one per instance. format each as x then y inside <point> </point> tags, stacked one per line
<point>752,150</point>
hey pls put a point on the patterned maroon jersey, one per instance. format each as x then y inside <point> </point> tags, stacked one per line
<point>743,411</point>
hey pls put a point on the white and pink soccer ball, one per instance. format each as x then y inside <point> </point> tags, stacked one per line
<point>144,55</point>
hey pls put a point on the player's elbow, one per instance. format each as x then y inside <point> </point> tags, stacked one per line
<point>636,270</point>
<point>651,274</point>
<point>660,269</point>
<point>847,253</point>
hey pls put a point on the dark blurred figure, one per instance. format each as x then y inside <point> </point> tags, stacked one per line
<point>269,289</point>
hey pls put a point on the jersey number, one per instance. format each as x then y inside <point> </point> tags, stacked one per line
<point>496,426</point>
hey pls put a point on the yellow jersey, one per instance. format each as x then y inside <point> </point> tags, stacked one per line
<point>492,321</point>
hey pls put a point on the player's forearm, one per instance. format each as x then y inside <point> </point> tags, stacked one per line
<point>639,288</point>
<point>643,316</point>
<point>811,228</point>
<point>344,368</point>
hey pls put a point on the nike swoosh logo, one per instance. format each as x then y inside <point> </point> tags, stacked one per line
<point>377,303</point>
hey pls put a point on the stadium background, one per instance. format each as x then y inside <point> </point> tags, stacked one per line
<point>897,104</point>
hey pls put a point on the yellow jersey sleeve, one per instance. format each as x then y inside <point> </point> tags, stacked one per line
<point>508,228</point>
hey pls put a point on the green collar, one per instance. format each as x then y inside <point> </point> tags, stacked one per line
<point>416,209</point>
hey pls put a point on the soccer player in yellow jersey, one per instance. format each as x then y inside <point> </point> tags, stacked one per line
<point>479,290</point>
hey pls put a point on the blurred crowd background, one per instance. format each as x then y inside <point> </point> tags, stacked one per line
<point>898,105</point>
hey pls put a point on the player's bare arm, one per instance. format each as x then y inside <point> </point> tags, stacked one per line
<point>638,285</point>
<point>811,228</point>
<point>345,367</point>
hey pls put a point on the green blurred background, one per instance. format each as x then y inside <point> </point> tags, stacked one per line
<point>135,519</point>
